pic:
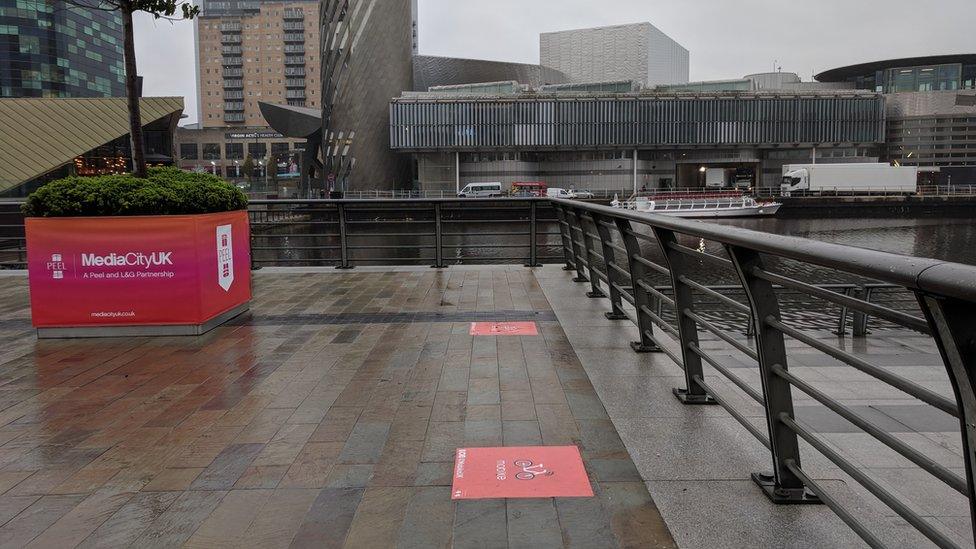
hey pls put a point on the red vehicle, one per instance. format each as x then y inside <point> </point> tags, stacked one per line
<point>529,188</point>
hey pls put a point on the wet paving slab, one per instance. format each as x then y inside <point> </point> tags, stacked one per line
<point>329,416</point>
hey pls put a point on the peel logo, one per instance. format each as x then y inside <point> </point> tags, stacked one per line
<point>56,266</point>
<point>225,257</point>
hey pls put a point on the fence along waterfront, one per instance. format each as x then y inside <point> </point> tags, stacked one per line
<point>602,246</point>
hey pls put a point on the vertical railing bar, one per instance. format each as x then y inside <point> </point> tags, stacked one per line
<point>438,238</point>
<point>844,310</point>
<point>565,232</point>
<point>953,324</point>
<point>592,264</point>
<point>782,486</point>
<point>343,239</point>
<point>860,327</point>
<point>642,298</point>
<point>684,300</point>
<point>579,261</point>
<point>533,236</point>
<point>613,275</point>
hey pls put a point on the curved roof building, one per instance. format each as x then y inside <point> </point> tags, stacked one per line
<point>930,109</point>
<point>930,73</point>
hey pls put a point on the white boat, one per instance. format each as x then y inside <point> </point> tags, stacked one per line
<point>704,206</point>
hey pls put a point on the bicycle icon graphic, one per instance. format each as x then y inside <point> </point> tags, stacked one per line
<point>530,471</point>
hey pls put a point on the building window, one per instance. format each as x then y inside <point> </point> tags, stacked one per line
<point>211,151</point>
<point>279,149</point>
<point>235,151</point>
<point>257,150</point>
<point>189,151</point>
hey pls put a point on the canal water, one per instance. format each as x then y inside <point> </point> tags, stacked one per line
<point>949,239</point>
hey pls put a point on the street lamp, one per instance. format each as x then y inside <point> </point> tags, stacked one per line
<point>213,166</point>
<point>237,169</point>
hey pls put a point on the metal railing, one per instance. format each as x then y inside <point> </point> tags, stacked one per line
<point>435,232</point>
<point>13,243</point>
<point>604,247</point>
<point>758,192</point>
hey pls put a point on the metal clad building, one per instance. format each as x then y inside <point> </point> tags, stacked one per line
<point>366,60</point>
<point>629,140</point>
<point>432,71</point>
<point>634,120</point>
<point>638,52</point>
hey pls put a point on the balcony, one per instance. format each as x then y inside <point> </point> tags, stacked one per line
<point>232,61</point>
<point>233,72</point>
<point>294,37</point>
<point>296,102</point>
<point>233,84</point>
<point>231,39</point>
<point>294,60</point>
<point>295,83</point>
<point>233,106</point>
<point>230,27</point>
<point>293,15</point>
<point>294,26</point>
<point>295,94</point>
<point>294,71</point>
<point>295,48</point>
<point>231,50</point>
<point>233,117</point>
<point>233,94</point>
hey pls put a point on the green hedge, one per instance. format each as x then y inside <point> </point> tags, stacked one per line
<point>167,191</point>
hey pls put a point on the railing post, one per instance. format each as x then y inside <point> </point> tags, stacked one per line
<point>579,259</point>
<point>860,327</point>
<point>343,239</point>
<point>842,321</point>
<point>438,238</point>
<point>953,324</point>
<point>533,237</point>
<point>610,260</point>
<point>782,486</point>
<point>642,298</point>
<point>566,233</point>
<point>684,302</point>
<point>595,291</point>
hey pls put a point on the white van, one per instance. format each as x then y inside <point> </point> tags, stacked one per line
<point>481,190</point>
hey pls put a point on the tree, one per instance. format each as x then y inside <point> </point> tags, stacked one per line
<point>273,167</point>
<point>248,168</point>
<point>165,9</point>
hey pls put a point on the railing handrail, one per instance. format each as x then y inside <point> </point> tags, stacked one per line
<point>944,292</point>
<point>916,273</point>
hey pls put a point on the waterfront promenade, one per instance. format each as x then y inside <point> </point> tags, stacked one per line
<point>330,414</point>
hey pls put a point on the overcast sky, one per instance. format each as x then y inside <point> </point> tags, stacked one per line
<point>726,38</point>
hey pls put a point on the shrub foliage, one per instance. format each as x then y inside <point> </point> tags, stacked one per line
<point>167,191</point>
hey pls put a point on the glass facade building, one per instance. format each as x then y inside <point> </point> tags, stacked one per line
<point>49,49</point>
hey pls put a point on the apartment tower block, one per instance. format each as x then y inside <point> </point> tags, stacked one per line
<point>249,51</point>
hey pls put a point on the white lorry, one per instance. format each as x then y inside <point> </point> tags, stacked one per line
<point>714,178</point>
<point>849,178</point>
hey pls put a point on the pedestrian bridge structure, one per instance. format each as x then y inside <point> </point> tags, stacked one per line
<point>705,415</point>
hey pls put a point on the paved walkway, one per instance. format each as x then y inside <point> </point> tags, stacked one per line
<point>328,417</point>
